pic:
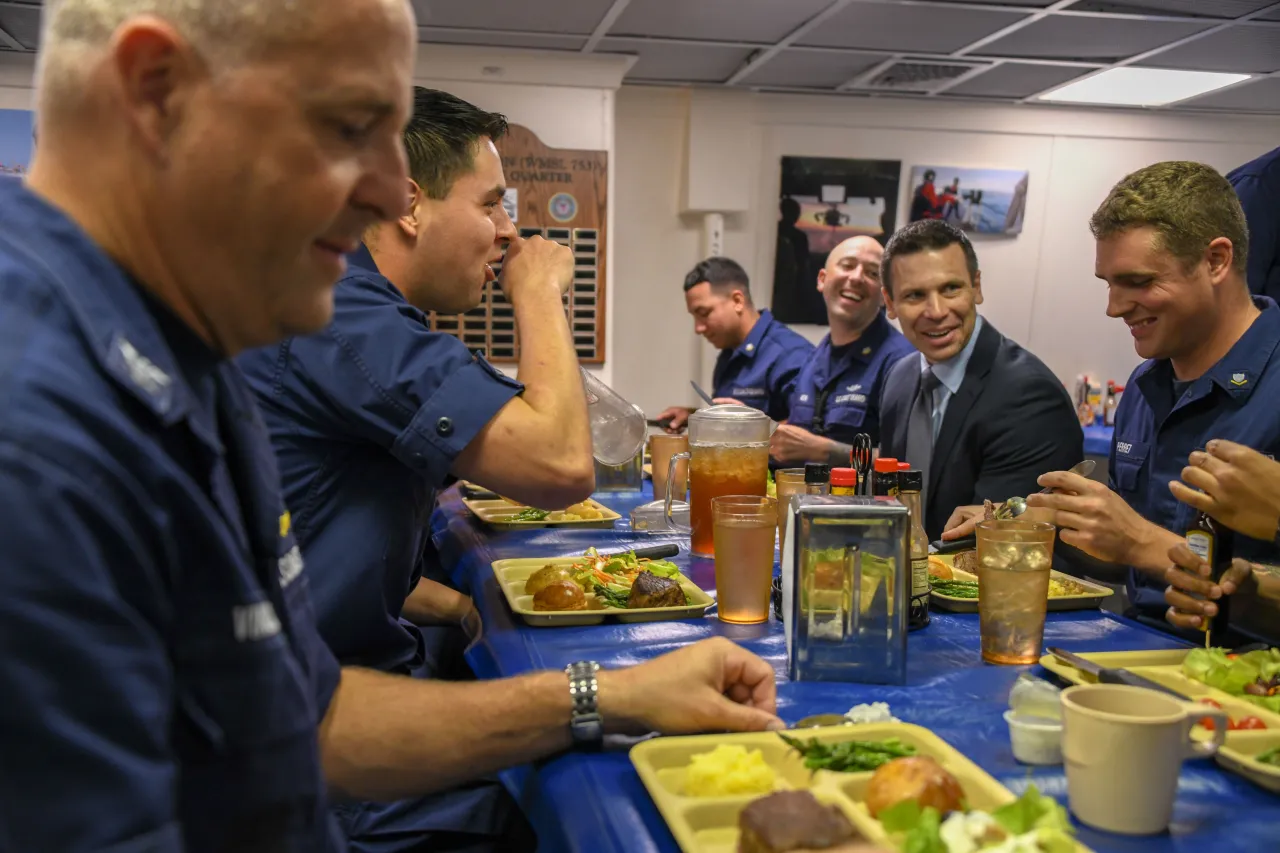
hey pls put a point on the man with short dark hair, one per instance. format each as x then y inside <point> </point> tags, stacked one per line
<point>759,357</point>
<point>1173,248</point>
<point>372,415</point>
<point>979,415</point>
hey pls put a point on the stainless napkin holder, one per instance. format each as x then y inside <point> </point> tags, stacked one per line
<point>845,583</point>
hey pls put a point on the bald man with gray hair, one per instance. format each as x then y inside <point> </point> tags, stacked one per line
<point>203,167</point>
<point>837,395</point>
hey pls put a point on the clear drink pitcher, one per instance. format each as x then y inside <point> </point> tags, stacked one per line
<point>728,455</point>
<point>618,428</point>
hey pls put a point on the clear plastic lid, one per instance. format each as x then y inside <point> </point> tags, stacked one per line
<point>729,424</point>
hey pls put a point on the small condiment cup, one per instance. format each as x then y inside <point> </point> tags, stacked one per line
<point>1035,740</point>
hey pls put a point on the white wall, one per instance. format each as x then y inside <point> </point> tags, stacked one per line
<point>1039,287</point>
<point>567,101</point>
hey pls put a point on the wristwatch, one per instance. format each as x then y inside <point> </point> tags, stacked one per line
<point>585,723</point>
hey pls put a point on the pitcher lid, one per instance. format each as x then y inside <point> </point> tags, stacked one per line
<point>729,412</point>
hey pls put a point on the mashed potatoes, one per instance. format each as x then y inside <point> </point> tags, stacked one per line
<point>578,512</point>
<point>727,771</point>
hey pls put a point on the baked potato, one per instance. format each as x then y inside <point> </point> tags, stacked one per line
<point>545,576</point>
<point>560,595</point>
<point>938,568</point>
<point>919,778</point>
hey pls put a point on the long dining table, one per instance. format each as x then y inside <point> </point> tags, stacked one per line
<point>596,803</point>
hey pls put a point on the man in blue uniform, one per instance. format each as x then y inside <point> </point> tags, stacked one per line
<point>1173,248</point>
<point>760,358</point>
<point>1257,185</point>
<point>164,684</point>
<point>372,415</point>
<point>838,393</point>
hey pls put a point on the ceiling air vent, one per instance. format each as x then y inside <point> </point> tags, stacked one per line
<point>913,75</point>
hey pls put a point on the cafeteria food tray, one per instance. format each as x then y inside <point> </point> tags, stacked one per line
<point>1165,668</point>
<point>498,515</point>
<point>1091,599</point>
<point>710,824</point>
<point>512,574</point>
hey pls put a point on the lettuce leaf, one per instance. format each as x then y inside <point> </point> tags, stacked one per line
<point>1032,811</point>
<point>662,568</point>
<point>1230,675</point>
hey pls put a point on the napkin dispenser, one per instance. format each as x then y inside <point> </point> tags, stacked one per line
<point>845,584</point>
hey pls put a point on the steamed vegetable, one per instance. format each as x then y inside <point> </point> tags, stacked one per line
<point>531,514</point>
<point>954,588</point>
<point>850,756</point>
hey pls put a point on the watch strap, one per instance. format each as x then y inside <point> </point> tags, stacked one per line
<point>585,723</point>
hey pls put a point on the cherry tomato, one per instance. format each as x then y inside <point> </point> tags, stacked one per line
<point>1249,723</point>
<point>1207,722</point>
<point>1210,703</point>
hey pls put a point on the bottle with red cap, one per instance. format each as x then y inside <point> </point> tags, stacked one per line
<point>884,482</point>
<point>844,481</point>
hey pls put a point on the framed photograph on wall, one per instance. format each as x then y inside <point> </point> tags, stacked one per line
<point>823,202</point>
<point>980,201</point>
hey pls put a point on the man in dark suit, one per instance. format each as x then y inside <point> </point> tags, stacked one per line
<point>978,414</point>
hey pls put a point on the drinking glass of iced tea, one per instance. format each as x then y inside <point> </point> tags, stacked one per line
<point>1014,561</point>
<point>743,528</point>
<point>728,455</point>
<point>788,482</point>
<point>661,449</point>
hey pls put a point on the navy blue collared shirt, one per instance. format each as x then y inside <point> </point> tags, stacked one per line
<point>1155,434</point>
<point>1257,185</point>
<point>762,371</point>
<point>366,418</point>
<point>162,675</point>
<point>838,396</point>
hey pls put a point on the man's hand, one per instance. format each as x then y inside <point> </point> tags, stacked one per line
<point>963,522</point>
<point>536,262</point>
<point>679,417</point>
<point>793,445</point>
<point>1237,486</point>
<point>1188,577</point>
<point>714,685</point>
<point>1096,520</point>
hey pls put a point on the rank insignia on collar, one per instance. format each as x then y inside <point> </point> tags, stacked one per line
<point>1239,379</point>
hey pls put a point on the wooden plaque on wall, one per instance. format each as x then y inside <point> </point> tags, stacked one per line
<point>561,194</point>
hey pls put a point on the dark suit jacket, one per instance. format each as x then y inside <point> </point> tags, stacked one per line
<point>1010,422</point>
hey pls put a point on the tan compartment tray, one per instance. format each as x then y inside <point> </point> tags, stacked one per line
<point>710,824</point>
<point>1165,668</point>
<point>512,574</point>
<point>498,514</point>
<point>1089,600</point>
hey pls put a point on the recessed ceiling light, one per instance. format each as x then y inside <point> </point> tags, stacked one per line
<point>1140,87</point>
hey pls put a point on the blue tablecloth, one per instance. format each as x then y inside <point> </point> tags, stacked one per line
<point>596,803</point>
<point>1097,440</point>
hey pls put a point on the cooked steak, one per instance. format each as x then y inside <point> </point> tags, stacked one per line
<point>966,561</point>
<point>792,821</point>
<point>649,590</point>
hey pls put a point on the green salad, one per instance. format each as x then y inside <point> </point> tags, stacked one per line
<point>1031,823</point>
<point>1253,676</point>
<point>611,577</point>
<point>1271,756</point>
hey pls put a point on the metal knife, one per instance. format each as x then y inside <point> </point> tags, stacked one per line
<point>653,552</point>
<point>1107,675</point>
<point>703,394</point>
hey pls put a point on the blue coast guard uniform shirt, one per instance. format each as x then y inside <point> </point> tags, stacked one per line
<point>1158,426</point>
<point>162,677</point>
<point>838,392</point>
<point>1257,185</point>
<point>762,371</point>
<point>366,418</point>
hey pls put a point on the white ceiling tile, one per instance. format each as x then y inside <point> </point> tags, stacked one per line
<point>1194,8</point>
<point>819,68</point>
<point>716,20</point>
<point>1015,80</point>
<point>886,26</point>
<point>678,63</point>
<point>542,16</point>
<point>1242,49</point>
<point>1258,96</point>
<point>1089,38</point>
<point>533,41</point>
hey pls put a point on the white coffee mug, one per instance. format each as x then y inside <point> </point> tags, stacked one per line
<point>1123,748</point>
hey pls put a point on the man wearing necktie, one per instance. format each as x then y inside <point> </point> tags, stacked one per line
<point>980,416</point>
